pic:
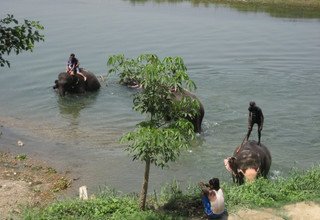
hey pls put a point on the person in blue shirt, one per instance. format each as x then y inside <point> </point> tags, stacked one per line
<point>213,199</point>
<point>73,66</point>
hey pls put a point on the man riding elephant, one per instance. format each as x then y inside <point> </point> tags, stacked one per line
<point>73,67</point>
<point>67,83</point>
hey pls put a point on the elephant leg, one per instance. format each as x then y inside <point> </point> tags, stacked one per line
<point>234,179</point>
<point>198,125</point>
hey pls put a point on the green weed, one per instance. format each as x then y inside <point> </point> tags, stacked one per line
<point>21,157</point>
<point>175,203</point>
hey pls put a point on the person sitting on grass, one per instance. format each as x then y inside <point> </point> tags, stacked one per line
<point>213,199</point>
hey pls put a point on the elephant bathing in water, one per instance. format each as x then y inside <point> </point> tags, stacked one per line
<point>178,95</point>
<point>197,119</point>
<point>75,84</point>
<point>249,161</point>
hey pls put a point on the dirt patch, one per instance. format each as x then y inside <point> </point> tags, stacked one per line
<point>303,210</point>
<point>260,214</point>
<point>297,211</point>
<point>24,181</point>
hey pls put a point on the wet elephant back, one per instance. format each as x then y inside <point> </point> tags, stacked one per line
<point>92,83</point>
<point>252,155</point>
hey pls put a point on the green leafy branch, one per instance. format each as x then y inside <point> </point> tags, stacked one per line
<point>15,37</point>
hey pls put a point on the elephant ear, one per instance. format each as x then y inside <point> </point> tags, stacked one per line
<point>229,163</point>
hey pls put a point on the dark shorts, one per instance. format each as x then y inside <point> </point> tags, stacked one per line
<point>254,122</point>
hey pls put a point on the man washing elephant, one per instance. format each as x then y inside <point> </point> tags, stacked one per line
<point>255,117</point>
<point>250,159</point>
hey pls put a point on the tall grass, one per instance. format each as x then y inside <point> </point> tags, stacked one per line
<point>276,8</point>
<point>175,203</point>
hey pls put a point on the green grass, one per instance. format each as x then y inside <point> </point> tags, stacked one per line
<point>21,157</point>
<point>175,203</point>
<point>276,8</point>
<point>299,186</point>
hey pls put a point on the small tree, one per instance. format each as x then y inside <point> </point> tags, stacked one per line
<point>17,38</point>
<point>157,140</point>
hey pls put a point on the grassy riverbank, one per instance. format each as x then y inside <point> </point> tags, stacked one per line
<point>283,3</point>
<point>276,8</point>
<point>174,203</point>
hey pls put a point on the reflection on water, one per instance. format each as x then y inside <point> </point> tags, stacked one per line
<point>71,105</point>
<point>275,9</point>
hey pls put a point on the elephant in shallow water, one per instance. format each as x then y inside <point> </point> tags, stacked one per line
<point>197,119</point>
<point>75,84</point>
<point>249,161</point>
<point>178,95</point>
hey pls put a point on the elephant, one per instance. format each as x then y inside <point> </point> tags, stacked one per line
<point>249,161</point>
<point>197,119</point>
<point>178,95</point>
<point>67,83</point>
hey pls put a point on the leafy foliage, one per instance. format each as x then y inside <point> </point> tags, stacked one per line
<point>157,141</point>
<point>15,37</point>
<point>154,139</point>
<point>160,81</point>
<point>159,145</point>
<point>148,67</point>
<point>128,69</point>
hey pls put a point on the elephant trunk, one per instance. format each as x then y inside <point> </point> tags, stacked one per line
<point>249,174</point>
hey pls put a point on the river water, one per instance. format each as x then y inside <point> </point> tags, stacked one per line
<point>233,57</point>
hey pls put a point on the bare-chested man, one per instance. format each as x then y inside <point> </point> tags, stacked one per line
<point>255,116</point>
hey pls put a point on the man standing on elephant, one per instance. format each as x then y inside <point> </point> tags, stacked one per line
<point>73,66</point>
<point>255,116</point>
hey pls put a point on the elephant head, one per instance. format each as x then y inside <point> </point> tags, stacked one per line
<point>240,175</point>
<point>249,161</point>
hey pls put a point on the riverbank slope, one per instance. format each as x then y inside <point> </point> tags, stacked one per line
<point>37,185</point>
